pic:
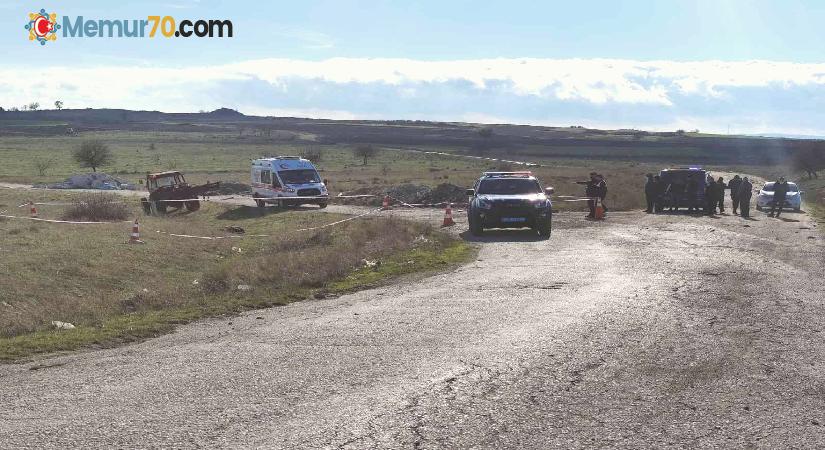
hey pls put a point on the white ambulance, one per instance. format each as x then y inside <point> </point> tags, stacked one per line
<point>287,181</point>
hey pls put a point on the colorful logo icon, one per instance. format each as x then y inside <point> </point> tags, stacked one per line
<point>42,26</point>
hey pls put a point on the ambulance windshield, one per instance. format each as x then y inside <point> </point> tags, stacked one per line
<point>302,176</point>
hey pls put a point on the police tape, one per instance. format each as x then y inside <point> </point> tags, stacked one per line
<point>76,222</point>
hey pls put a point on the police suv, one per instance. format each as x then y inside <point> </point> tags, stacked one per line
<point>287,181</point>
<point>510,200</point>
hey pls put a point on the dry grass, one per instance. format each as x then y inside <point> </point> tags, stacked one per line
<point>97,208</point>
<point>114,292</point>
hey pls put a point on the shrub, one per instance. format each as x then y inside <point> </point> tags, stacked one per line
<point>97,208</point>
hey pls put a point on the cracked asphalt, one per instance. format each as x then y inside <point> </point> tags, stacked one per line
<point>639,331</point>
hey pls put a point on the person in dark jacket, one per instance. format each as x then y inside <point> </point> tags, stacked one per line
<point>591,191</point>
<point>674,193</point>
<point>602,189</point>
<point>733,185</point>
<point>650,193</point>
<point>720,199</point>
<point>691,189</point>
<point>658,190</point>
<point>780,191</point>
<point>711,197</point>
<point>744,193</point>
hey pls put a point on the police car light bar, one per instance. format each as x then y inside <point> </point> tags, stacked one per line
<point>525,173</point>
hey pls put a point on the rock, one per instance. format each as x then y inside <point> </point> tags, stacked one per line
<point>195,282</point>
<point>319,295</point>
<point>811,237</point>
<point>5,304</point>
<point>235,229</point>
<point>62,325</point>
<point>244,287</point>
<point>237,250</point>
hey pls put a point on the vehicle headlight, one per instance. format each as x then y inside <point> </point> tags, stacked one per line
<point>323,189</point>
<point>484,204</point>
<point>289,190</point>
<point>542,204</point>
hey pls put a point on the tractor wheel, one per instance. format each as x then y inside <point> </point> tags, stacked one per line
<point>322,205</point>
<point>160,207</point>
<point>147,207</point>
<point>260,203</point>
<point>192,206</point>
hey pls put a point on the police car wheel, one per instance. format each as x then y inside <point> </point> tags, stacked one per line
<point>476,229</point>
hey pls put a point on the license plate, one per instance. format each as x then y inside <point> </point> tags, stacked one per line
<point>513,219</point>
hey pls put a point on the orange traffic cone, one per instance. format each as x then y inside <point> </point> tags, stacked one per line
<point>599,211</point>
<point>33,209</point>
<point>448,216</point>
<point>386,203</point>
<point>134,238</point>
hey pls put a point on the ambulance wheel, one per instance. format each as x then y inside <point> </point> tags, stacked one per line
<point>322,205</point>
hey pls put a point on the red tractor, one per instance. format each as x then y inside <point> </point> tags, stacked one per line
<point>170,189</point>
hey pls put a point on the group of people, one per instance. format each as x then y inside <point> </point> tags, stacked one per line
<point>741,191</point>
<point>595,189</point>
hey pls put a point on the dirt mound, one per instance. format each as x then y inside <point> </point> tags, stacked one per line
<point>411,193</point>
<point>230,188</point>
<point>94,180</point>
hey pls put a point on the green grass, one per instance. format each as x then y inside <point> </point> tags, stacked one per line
<point>87,275</point>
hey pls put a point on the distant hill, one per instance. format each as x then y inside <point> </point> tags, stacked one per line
<point>505,139</point>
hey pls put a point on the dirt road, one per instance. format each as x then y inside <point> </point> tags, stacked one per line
<point>640,331</point>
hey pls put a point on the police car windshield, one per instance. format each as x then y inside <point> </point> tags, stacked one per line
<point>509,186</point>
<point>769,187</point>
<point>301,176</point>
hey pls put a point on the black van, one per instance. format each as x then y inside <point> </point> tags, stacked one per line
<point>674,191</point>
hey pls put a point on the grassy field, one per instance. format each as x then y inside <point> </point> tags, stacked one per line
<point>226,157</point>
<point>115,292</point>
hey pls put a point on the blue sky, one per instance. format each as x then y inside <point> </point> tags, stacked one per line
<point>756,66</point>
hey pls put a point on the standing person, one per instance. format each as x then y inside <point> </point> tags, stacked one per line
<point>721,197</point>
<point>658,190</point>
<point>780,190</point>
<point>591,191</point>
<point>674,193</point>
<point>602,190</point>
<point>711,197</point>
<point>691,188</point>
<point>650,193</point>
<point>733,185</point>
<point>743,194</point>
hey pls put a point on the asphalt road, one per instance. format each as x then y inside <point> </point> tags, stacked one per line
<point>639,331</point>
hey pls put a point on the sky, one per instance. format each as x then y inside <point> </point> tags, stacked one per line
<point>755,67</point>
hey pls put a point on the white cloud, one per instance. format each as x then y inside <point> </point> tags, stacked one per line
<point>754,96</point>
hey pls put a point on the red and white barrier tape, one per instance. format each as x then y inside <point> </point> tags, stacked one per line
<point>60,221</point>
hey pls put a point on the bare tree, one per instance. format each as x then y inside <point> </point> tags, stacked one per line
<point>809,158</point>
<point>365,151</point>
<point>33,106</point>
<point>313,153</point>
<point>58,105</point>
<point>42,165</point>
<point>93,153</point>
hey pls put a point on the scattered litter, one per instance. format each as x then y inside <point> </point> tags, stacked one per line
<point>811,237</point>
<point>370,264</point>
<point>421,239</point>
<point>195,282</point>
<point>237,249</point>
<point>244,287</point>
<point>5,304</point>
<point>259,318</point>
<point>62,325</point>
<point>94,180</point>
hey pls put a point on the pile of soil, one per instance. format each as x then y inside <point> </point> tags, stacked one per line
<point>231,188</point>
<point>410,193</point>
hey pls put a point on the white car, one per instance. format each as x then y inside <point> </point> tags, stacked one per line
<point>793,200</point>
